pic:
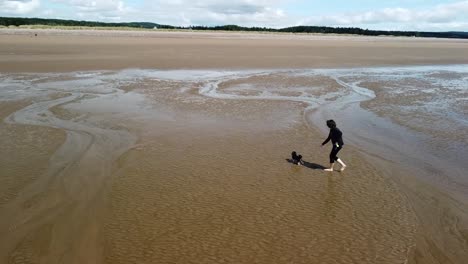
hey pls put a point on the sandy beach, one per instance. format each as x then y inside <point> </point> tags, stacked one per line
<point>173,147</point>
<point>62,50</point>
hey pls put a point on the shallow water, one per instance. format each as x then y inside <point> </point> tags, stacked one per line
<point>417,114</point>
<point>407,119</point>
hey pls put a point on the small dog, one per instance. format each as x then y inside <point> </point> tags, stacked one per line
<point>296,159</point>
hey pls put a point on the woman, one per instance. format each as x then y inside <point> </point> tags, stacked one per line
<point>336,137</point>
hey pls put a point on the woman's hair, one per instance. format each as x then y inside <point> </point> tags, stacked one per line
<point>331,123</point>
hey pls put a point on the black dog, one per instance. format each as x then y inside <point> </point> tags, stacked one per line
<point>296,159</point>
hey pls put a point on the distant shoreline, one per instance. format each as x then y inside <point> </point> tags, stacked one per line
<point>307,29</point>
<point>170,33</point>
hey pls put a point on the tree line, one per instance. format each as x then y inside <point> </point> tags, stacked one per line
<point>18,21</point>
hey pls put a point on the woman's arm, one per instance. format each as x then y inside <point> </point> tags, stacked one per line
<point>328,139</point>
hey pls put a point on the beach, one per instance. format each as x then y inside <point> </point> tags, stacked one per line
<point>68,50</point>
<point>173,147</point>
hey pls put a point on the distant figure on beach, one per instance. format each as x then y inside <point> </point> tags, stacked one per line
<point>296,159</point>
<point>336,137</point>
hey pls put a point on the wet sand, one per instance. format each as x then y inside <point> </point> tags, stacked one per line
<point>191,166</point>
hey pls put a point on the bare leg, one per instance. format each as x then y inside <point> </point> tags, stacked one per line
<point>331,167</point>
<point>343,165</point>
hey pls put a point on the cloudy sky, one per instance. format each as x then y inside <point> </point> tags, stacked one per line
<point>429,15</point>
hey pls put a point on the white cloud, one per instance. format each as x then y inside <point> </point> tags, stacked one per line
<point>262,13</point>
<point>453,15</point>
<point>98,6</point>
<point>182,12</point>
<point>18,7</point>
<point>211,12</point>
<point>105,10</point>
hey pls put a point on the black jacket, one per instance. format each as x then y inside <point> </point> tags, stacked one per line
<point>336,136</point>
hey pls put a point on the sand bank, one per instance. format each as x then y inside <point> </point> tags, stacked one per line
<point>63,50</point>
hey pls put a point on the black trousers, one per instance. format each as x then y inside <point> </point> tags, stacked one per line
<point>334,152</point>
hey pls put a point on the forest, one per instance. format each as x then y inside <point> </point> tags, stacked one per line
<point>18,21</point>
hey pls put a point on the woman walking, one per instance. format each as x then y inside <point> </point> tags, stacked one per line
<point>336,137</point>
